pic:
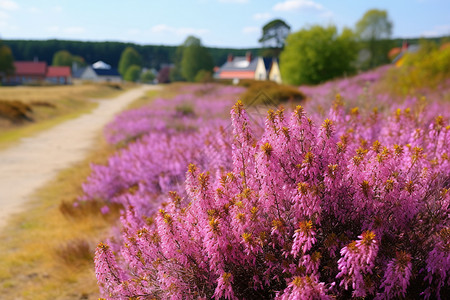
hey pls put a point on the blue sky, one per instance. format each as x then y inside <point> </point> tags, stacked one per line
<point>222,23</point>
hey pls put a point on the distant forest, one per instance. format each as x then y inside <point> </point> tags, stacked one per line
<point>109,52</point>
<point>153,55</point>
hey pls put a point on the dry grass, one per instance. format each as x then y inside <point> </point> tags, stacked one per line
<point>27,110</point>
<point>47,255</point>
<point>28,94</point>
<point>269,92</point>
<point>47,251</point>
<point>15,111</point>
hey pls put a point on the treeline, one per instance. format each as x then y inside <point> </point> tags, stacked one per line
<point>152,55</point>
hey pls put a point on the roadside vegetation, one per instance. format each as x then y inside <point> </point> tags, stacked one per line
<point>47,251</point>
<point>28,110</point>
<point>263,92</point>
<point>428,68</point>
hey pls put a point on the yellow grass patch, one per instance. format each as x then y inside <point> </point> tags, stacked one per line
<point>48,255</point>
<point>27,110</point>
<point>47,251</point>
<point>29,94</point>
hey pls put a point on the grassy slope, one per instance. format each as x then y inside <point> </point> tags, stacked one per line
<point>31,266</point>
<point>68,101</point>
<point>49,255</point>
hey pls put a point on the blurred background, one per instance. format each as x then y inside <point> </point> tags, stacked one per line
<point>79,34</point>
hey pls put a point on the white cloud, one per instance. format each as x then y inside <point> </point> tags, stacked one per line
<point>3,22</point>
<point>439,30</point>
<point>71,30</point>
<point>74,30</point>
<point>3,16</point>
<point>163,28</point>
<point>234,1</point>
<point>298,5</point>
<point>160,28</point>
<point>8,5</point>
<point>53,29</point>
<point>250,29</point>
<point>133,31</point>
<point>327,14</point>
<point>262,16</point>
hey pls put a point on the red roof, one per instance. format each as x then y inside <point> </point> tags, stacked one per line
<point>36,68</point>
<point>58,72</point>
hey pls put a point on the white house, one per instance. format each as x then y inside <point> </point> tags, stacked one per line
<point>247,67</point>
<point>98,72</point>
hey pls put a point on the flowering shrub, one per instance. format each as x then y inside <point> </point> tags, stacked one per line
<point>374,90</point>
<point>161,140</point>
<point>355,207</point>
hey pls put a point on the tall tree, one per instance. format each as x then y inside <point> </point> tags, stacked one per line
<point>148,76</point>
<point>273,37</point>
<point>65,58</point>
<point>62,58</point>
<point>375,29</point>
<point>129,58</point>
<point>195,58</point>
<point>275,33</point>
<point>132,74</point>
<point>175,72</point>
<point>6,61</point>
<point>317,54</point>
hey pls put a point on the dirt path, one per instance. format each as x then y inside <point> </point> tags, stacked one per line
<point>36,160</point>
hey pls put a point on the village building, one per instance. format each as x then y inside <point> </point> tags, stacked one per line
<point>249,67</point>
<point>27,72</point>
<point>98,72</point>
<point>406,48</point>
<point>59,75</point>
<point>33,72</point>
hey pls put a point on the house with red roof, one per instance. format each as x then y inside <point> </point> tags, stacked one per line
<point>406,48</point>
<point>59,75</point>
<point>28,72</point>
<point>249,67</point>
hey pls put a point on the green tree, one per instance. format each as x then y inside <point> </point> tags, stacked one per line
<point>317,54</point>
<point>132,74</point>
<point>65,58</point>
<point>203,76</point>
<point>128,58</point>
<point>62,58</point>
<point>6,61</point>
<point>375,29</point>
<point>147,77</point>
<point>192,41</point>
<point>195,58</point>
<point>175,72</point>
<point>274,35</point>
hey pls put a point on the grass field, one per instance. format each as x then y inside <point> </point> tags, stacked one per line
<point>47,251</point>
<point>47,254</point>
<point>27,110</point>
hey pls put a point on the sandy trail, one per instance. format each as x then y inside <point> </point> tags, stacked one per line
<point>36,160</point>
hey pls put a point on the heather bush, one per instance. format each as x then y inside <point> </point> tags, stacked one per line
<point>157,143</point>
<point>355,207</point>
<point>259,92</point>
<point>372,91</point>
